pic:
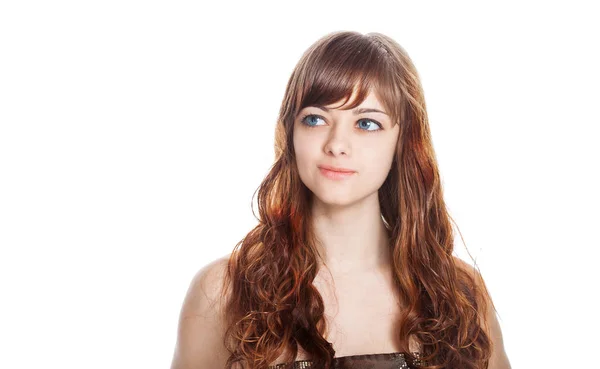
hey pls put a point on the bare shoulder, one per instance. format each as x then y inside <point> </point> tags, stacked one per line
<point>201,326</point>
<point>207,285</point>
<point>466,266</point>
<point>499,359</point>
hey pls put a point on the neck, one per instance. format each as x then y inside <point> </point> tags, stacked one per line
<point>352,238</point>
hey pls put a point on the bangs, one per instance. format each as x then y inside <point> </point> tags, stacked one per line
<point>338,65</point>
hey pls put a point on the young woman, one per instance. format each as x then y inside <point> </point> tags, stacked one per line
<point>352,264</point>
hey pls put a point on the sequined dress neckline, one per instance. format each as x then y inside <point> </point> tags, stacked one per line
<point>391,360</point>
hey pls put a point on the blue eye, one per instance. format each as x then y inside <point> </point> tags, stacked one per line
<point>373,124</point>
<point>310,121</point>
<point>309,118</point>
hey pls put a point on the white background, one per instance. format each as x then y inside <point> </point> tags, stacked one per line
<point>133,135</point>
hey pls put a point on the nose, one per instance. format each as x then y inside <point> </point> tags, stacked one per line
<point>338,142</point>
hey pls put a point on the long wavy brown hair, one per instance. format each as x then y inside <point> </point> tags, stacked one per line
<point>273,307</point>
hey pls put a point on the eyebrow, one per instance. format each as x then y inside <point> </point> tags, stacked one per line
<point>355,111</point>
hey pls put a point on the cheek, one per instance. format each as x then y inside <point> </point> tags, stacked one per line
<point>379,160</point>
<point>390,149</point>
<point>304,150</point>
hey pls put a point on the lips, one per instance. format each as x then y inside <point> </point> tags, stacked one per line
<point>336,169</point>
<point>336,173</point>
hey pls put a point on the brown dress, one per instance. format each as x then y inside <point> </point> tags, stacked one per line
<point>394,360</point>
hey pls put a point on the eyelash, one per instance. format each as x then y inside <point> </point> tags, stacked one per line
<point>316,115</point>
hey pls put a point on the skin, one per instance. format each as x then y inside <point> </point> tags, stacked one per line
<point>347,220</point>
<point>346,213</point>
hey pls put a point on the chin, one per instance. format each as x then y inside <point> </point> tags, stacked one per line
<point>334,198</point>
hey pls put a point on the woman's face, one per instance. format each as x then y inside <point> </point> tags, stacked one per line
<point>363,142</point>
